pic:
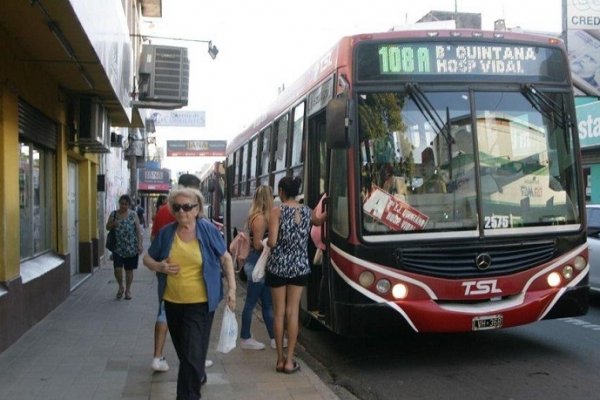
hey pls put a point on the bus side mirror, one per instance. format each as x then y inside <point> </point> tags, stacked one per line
<point>337,121</point>
<point>211,185</point>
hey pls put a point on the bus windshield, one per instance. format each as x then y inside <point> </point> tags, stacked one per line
<point>465,161</point>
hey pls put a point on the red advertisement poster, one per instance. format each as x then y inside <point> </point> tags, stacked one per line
<point>393,212</point>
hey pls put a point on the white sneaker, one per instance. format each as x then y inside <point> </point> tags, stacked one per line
<point>208,363</point>
<point>160,364</point>
<point>274,345</point>
<point>251,344</point>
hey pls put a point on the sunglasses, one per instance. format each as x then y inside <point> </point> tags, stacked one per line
<point>184,207</point>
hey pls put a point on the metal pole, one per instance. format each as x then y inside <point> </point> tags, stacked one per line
<point>132,168</point>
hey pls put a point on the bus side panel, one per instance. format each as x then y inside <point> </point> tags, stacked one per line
<point>238,214</point>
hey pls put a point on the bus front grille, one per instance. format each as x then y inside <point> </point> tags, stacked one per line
<point>461,260</point>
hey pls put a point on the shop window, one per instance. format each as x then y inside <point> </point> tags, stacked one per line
<point>36,199</point>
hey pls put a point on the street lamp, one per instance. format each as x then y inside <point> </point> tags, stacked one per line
<point>212,50</point>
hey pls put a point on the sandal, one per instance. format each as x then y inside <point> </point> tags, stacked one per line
<point>292,370</point>
<point>120,293</point>
<point>280,368</point>
<point>127,295</point>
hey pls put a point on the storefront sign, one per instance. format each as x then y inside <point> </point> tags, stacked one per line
<point>154,180</point>
<point>178,118</point>
<point>195,148</point>
<point>583,14</point>
<point>584,58</point>
<point>588,120</point>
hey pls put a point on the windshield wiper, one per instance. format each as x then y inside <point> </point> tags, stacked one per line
<point>546,105</point>
<point>428,110</point>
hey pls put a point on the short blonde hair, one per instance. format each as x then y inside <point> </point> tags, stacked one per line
<point>190,193</point>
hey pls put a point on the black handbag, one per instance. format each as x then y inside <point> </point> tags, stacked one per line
<point>111,238</point>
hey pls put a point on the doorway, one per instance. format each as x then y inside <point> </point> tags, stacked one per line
<point>73,218</point>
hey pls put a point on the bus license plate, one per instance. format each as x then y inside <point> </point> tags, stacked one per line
<point>487,322</point>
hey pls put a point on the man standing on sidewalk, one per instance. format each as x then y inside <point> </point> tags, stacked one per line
<point>164,217</point>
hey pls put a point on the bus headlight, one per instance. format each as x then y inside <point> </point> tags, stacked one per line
<point>579,263</point>
<point>567,272</point>
<point>553,279</point>
<point>399,291</point>
<point>366,278</point>
<point>383,286</point>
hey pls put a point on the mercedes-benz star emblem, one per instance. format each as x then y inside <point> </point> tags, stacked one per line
<point>483,261</point>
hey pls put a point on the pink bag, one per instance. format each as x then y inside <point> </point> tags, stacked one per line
<point>315,231</point>
<point>239,249</point>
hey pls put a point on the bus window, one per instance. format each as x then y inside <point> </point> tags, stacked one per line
<point>281,138</point>
<point>298,129</point>
<point>427,156</point>
<point>232,173</point>
<point>523,180</point>
<point>322,146</point>
<point>339,192</point>
<point>244,174</point>
<point>422,155</point>
<point>265,156</point>
<point>253,163</point>
<point>297,159</point>
<point>238,172</point>
<point>281,142</point>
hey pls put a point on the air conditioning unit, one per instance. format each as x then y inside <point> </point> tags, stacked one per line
<point>89,120</point>
<point>164,74</point>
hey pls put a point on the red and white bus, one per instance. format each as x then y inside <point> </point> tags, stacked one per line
<point>212,187</point>
<point>451,164</point>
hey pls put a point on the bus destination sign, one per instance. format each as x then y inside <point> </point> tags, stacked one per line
<point>458,59</point>
<point>385,61</point>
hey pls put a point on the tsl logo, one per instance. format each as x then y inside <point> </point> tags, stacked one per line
<point>473,288</point>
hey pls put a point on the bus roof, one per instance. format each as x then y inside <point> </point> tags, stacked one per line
<point>340,55</point>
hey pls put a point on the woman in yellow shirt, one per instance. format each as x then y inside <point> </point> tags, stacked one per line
<point>189,256</point>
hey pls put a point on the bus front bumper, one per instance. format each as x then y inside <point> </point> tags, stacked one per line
<point>370,319</point>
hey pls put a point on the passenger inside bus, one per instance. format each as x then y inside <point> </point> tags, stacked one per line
<point>393,184</point>
<point>433,182</point>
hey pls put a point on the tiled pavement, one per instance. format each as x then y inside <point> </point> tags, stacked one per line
<point>94,346</point>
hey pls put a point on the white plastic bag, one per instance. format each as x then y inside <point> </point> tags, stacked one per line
<point>229,331</point>
<point>258,273</point>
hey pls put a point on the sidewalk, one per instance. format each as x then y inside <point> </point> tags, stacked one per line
<point>96,347</point>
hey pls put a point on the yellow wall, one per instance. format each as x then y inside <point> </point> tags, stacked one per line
<point>9,186</point>
<point>62,181</point>
<point>88,226</point>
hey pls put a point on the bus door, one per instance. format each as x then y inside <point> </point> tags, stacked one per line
<point>317,293</point>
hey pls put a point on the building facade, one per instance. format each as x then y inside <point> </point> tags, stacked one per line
<point>67,74</point>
